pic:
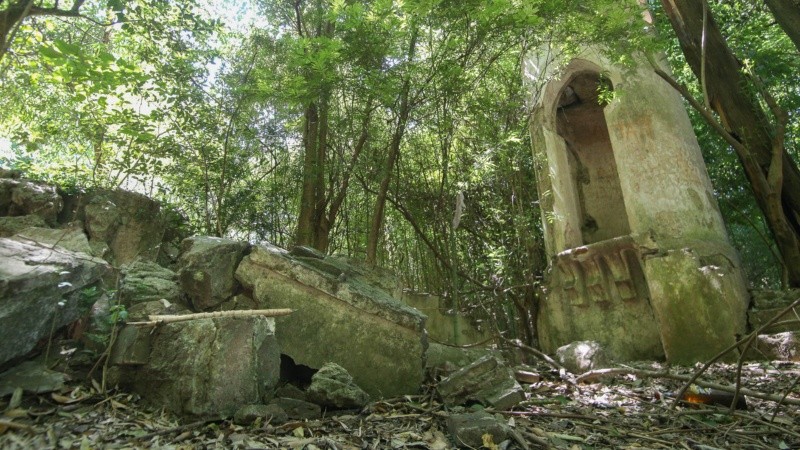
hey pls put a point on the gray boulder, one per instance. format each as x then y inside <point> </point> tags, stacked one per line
<point>206,269</point>
<point>779,346</point>
<point>122,225</point>
<point>42,289</point>
<point>582,356</point>
<point>333,387</point>
<point>21,198</point>
<point>487,381</point>
<point>203,367</point>
<point>146,281</point>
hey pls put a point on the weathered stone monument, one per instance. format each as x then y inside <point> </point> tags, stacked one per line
<point>639,256</point>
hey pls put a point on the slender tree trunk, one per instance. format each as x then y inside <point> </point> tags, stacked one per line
<point>323,237</point>
<point>376,225</point>
<point>787,14</point>
<point>313,199</point>
<point>305,221</point>
<point>743,120</point>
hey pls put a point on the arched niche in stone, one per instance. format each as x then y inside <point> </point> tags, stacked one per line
<point>639,257</point>
<point>581,123</point>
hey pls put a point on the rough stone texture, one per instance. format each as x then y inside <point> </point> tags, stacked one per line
<point>467,430</point>
<point>72,239</point>
<point>701,315</point>
<point>289,390</point>
<point>487,381</point>
<point>248,414</point>
<point>442,327</point>
<point>599,292</point>
<point>624,190</point>
<point>207,266</point>
<point>11,225</point>
<point>767,304</point>
<point>142,311</point>
<point>780,346</point>
<point>298,409</point>
<point>339,318</point>
<point>333,387</point>
<point>42,288</point>
<point>31,376</point>
<point>146,281</point>
<point>127,225</point>
<point>207,367</point>
<point>21,198</point>
<point>241,301</point>
<point>583,356</point>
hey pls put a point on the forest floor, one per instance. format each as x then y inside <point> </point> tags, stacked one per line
<point>628,409</point>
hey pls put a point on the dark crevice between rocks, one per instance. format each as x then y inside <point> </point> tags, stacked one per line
<point>295,374</point>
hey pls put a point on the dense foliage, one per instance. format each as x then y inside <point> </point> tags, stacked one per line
<point>391,131</point>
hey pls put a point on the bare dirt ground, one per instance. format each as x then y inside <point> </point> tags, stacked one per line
<point>631,408</point>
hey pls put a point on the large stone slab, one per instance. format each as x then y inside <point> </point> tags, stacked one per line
<point>205,367</point>
<point>41,289</point>
<point>339,318</point>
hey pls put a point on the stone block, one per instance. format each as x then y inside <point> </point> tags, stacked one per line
<point>779,346</point>
<point>204,367</point>
<point>333,387</point>
<point>146,281</point>
<point>128,224</point>
<point>487,381</point>
<point>582,356</point>
<point>699,307</point>
<point>380,341</point>
<point>206,269</point>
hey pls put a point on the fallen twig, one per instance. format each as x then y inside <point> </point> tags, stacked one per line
<point>541,355</point>
<point>174,429</point>
<point>595,374</point>
<point>162,319</point>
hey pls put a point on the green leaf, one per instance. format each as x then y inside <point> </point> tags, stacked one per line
<point>50,52</point>
<point>67,48</point>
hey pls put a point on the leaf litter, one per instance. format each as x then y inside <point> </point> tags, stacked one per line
<point>620,411</point>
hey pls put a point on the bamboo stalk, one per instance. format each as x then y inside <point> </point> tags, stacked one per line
<point>162,319</point>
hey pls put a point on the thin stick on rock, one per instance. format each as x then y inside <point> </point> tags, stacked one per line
<point>162,319</point>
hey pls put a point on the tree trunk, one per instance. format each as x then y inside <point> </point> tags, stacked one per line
<point>376,225</point>
<point>787,14</point>
<point>329,218</point>
<point>744,120</point>
<point>9,18</point>
<point>315,143</point>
